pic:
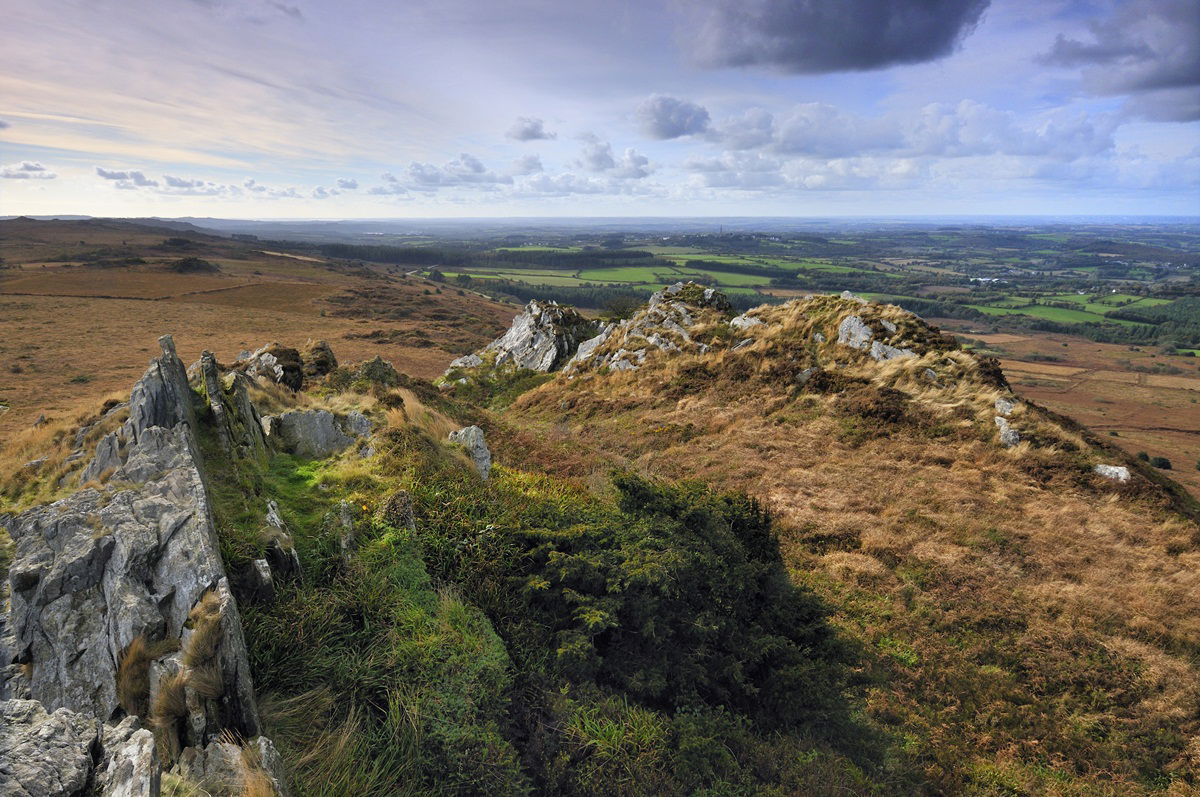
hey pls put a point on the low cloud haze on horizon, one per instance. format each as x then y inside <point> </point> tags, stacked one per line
<point>260,108</point>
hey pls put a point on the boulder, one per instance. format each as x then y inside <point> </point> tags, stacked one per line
<point>882,352</point>
<point>317,359</point>
<point>312,434</point>
<point>745,321</point>
<point>44,754</point>
<point>471,438</point>
<point>1008,435</point>
<point>1118,473</point>
<point>1005,406</point>
<point>854,333</point>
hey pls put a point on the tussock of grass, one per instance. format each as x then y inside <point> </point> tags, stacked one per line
<point>133,673</point>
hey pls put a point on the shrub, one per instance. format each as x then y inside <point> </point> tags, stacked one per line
<point>1161,462</point>
<point>1143,456</point>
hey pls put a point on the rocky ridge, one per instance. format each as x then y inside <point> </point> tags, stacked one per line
<point>813,343</point>
<point>121,642</point>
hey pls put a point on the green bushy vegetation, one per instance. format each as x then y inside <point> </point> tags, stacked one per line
<point>529,636</point>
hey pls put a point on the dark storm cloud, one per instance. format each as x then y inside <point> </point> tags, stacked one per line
<point>817,36</point>
<point>1146,49</point>
<point>528,128</point>
<point>666,117</point>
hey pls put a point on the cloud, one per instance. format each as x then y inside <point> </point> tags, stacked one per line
<point>1146,49</point>
<point>816,36</point>
<point>270,192</point>
<point>4,124</point>
<point>820,129</point>
<point>664,117</point>
<point>465,170</point>
<point>737,170</point>
<point>527,164</point>
<point>187,186</point>
<point>632,166</point>
<point>321,192</point>
<point>391,186</point>
<point>26,170</point>
<point>561,185</point>
<point>754,128</point>
<point>127,179</point>
<point>597,155</point>
<point>528,128</point>
<point>347,183</point>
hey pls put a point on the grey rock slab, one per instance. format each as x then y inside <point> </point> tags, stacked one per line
<point>1008,435</point>
<point>1005,406</point>
<point>133,768</point>
<point>471,438</point>
<point>1118,473</point>
<point>883,352</point>
<point>312,434</point>
<point>854,333</point>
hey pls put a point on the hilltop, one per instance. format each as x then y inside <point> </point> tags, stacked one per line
<point>812,548</point>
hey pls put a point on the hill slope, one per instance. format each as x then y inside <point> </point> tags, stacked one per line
<point>1028,625</point>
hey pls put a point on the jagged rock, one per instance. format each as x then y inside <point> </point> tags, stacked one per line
<point>133,768</point>
<point>883,352</point>
<point>744,322</point>
<point>278,364</point>
<point>259,582</point>
<point>818,337</point>
<point>930,375</point>
<point>358,424</point>
<point>806,375</point>
<point>281,550</point>
<point>217,766</point>
<point>96,569</point>
<point>542,337</point>
<point>317,359</point>
<point>312,434</point>
<point>854,333</point>
<point>44,754</point>
<point>271,763</point>
<point>1005,406</point>
<point>585,349</point>
<point>471,438</point>
<point>1008,435</point>
<point>1118,473</point>
<point>467,361</point>
<point>853,298</point>
<point>741,344</point>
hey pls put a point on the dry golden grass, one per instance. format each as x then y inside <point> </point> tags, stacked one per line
<point>205,622</point>
<point>133,673</point>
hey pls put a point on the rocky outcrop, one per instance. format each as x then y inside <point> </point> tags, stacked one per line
<point>44,754</point>
<point>121,566</point>
<point>275,363</point>
<point>857,334</point>
<point>664,325</point>
<point>542,338</point>
<point>317,360</point>
<point>471,438</point>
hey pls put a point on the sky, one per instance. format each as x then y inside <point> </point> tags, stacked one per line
<point>468,108</point>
